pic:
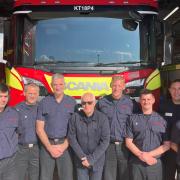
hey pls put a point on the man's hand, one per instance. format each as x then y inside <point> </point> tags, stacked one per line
<point>61,147</point>
<point>85,162</point>
<point>147,158</point>
<point>55,151</point>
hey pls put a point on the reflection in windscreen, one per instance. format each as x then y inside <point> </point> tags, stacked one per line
<point>87,40</point>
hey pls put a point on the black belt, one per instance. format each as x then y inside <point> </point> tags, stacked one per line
<point>55,141</point>
<point>26,145</point>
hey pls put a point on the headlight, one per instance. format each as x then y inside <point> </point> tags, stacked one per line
<point>43,91</point>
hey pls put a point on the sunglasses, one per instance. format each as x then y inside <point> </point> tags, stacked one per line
<point>88,102</point>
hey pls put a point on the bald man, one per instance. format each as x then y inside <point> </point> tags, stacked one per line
<point>89,136</point>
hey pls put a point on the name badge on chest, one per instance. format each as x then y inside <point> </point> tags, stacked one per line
<point>168,114</point>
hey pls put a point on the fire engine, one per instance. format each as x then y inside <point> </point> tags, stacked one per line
<point>87,41</point>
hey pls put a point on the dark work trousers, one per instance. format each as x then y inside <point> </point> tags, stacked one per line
<point>47,165</point>
<point>178,172</point>
<point>88,174</point>
<point>116,162</point>
<point>7,169</point>
<point>27,162</point>
<point>138,170</point>
<point>169,165</point>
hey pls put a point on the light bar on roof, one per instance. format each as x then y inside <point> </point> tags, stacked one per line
<point>171,13</point>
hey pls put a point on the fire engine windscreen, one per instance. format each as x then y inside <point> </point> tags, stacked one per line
<point>86,40</point>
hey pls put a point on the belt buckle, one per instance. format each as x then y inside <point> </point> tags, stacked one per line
<point>56,140</point>
<point>116,143</point>
<point>30,145</point>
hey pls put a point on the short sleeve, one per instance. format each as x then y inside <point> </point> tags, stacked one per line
<point>129,129</point>
<point>41,112</point>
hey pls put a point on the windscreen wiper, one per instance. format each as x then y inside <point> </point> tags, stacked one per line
<point>56,62</point>
<point>123,62</point>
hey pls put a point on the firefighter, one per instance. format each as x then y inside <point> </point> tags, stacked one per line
<point>175,143</point>
<point>8,135</point>
<point>54,112</point>
<point>147,139</point>
<point>27,158</point>
<point>171,112</point>
<point>117,107</point>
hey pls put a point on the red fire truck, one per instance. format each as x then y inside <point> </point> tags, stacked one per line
<point>87,41</point>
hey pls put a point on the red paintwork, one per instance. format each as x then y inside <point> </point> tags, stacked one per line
<point>39,75</point>
<point>16,96</point>
<point>152,3</point>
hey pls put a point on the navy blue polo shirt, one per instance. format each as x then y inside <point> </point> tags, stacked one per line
<point>56,115</point>
<point>171,113</point>
<point>147,131</point>
<point>89,137</point>
<point>175,137</point>
<point>26,130</point>
<point>8,136</point>
<point>117,112</point>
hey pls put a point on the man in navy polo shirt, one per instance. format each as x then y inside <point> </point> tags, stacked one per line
<point>175,144</point>
<point>89,138</point>
<point>8,136</point>
<point>117,107</point>
<point>54,112</point>
<point>146,138</point>
<point>27,159</point>
<point>171,112</point>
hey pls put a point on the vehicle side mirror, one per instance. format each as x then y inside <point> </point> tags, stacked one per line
<point>129,24</point>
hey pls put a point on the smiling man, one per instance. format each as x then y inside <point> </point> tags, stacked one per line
<point>146,138</point>
<point>54,112</point>
<point>117,107</point>
<point>27,158</point>
<point>170,110</point>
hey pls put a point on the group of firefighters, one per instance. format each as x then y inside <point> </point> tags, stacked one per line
<point>108,139</point>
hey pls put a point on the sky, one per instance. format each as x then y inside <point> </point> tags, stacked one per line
<point>1,45</point>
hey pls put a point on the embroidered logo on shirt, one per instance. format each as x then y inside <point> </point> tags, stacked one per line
<point>67,105</point>
<point>157,123</point>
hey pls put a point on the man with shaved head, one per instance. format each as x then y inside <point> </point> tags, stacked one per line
<point>88,136</point>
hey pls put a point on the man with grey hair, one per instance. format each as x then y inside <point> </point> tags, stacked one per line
<point>117,107</point>
<point>27,159</point>
<point>54,112</point>
<point>89,138</point>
